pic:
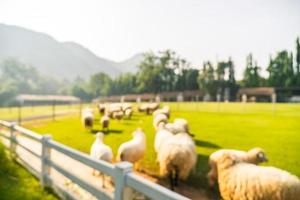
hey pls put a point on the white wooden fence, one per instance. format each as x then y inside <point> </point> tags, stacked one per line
<point>124,179</point>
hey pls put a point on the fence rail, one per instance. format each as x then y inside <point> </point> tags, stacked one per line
<point>124,179</point>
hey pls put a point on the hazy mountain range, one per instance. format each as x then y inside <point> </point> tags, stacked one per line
<point>58,59</point>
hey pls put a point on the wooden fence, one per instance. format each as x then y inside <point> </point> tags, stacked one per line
<point>125,181</point>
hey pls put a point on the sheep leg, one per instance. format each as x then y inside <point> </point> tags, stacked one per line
<point>176,177</point>
<point>171,181</point>
<point>103,180</point>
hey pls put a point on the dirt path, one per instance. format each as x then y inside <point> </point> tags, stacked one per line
<point>85,173</point>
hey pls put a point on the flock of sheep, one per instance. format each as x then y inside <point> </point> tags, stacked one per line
<point>236,172</point>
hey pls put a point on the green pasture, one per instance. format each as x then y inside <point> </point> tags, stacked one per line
<point>276,128</point>
<point>16,183</point>
<point>12,113</point>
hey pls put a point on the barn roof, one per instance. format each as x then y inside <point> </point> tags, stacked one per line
<point>41,98</point>
<point>257,91</point>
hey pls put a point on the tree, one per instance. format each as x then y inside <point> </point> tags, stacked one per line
<point>231,83</point>
<point>100,84</point>
<point>206,80</point>
<point>252,77</point>
<point>297,73</point>
<point>164,71</point>
<point>281,70</point>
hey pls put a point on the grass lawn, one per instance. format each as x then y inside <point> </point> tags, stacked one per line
<point>216,126</point>
<point>11,113</point>
<point>17,184</point>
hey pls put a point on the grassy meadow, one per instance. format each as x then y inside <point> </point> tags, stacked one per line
<point>16,183</point>
<point>12,113</point>
<point>276,128</point>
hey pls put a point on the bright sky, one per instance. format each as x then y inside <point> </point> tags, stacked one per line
<point>197,29</point>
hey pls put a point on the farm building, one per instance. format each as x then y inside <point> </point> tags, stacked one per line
<point>29,99</point>
<point>264,94</point>
<point>194,95</point>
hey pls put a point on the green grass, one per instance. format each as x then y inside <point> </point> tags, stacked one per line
<point>12,113</point>
<point>16,183</point>
<point>224,125</point>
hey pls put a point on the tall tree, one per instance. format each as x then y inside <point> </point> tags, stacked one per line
<point>297,73</point>
<point>251,74</point>
<point>280,70</point>
<point>100,84</point>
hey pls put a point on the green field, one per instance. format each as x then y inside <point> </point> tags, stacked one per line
<point>224,125</point>
<point>16,183</point>
<point>12,113</point>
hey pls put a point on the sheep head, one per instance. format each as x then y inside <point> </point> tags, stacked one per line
<point>257,155</point>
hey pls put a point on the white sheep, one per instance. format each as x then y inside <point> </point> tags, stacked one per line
<point>178,126</point>
<point>159,118</point>
<point>177,157</point>
<point>254,156</point>
<point>118,115</point>
<point>152,107</point>
<point>87,117</point>
<point>104,122</point>
<point>126,106</point>
<point>240,180</point>
<point>183,123</point>
<point>165,110</point>
<point>100,151</point>
<point>160,137</point>
<point>101,108</point>
<point>128,113</point>
<point>133,150</point>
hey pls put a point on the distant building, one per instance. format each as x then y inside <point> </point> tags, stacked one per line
<point>195,95</point>
<point>264,94</point>
<point>29,99</point>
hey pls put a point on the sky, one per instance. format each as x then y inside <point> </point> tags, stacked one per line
<point>197,30</point>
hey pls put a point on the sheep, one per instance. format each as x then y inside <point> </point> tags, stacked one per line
<point>159,118</point>
<point>254,156</point>
<point>152,107</point>
<point>118,115</point>
<point>160,137</point>
<point>87,118</point>
<point>183,122</point>
<point>165,110</point>
<point>133,150</point>
<point>101,108</point>
<point>126,106</point>
<point>241,180</point>
<point>177,157</point>
<point>128,113</point>
<point>179,125</point>
<point>100,151</point>
<point>105,122</point>
<point>143,108</point>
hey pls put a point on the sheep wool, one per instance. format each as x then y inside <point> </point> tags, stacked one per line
<point>133,150</point>
<point>177,155</point>
<point>239,180</point>
<point>105,122</point>
<point>101,151</point>
<point>254,156</point>
<point>160,137</point>
<point>160,118</point>
<point>87,117</point>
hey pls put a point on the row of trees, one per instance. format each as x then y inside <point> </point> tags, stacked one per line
<point>163,71</point>
<point>18,78</point>
<point>283,70</point>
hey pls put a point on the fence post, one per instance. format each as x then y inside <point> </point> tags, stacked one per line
<point>45,168</point>
<point>12,139</point>
<point>121,169</point>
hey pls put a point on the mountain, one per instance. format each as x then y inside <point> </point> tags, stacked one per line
<point>65,60</point>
